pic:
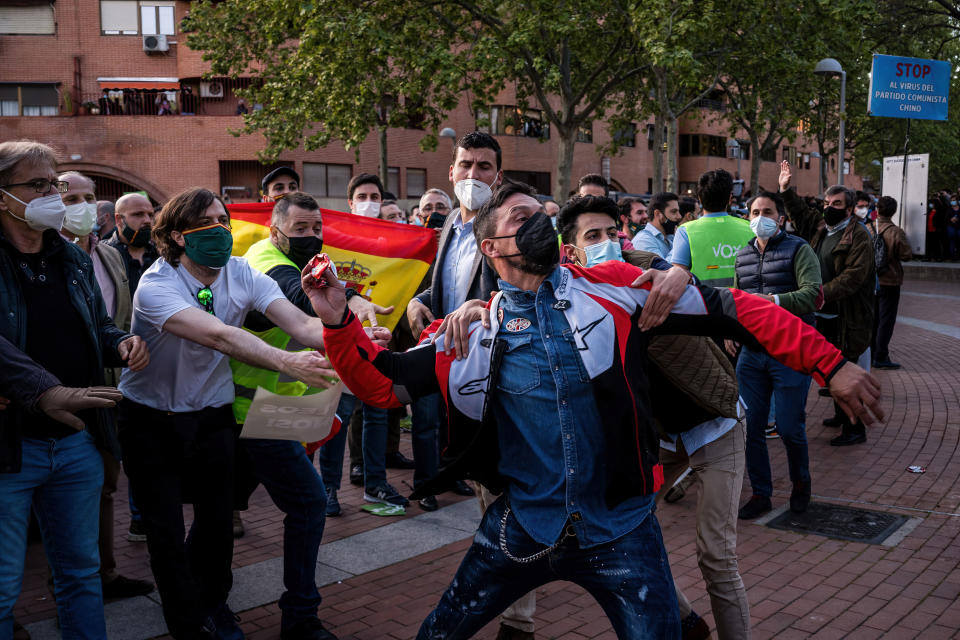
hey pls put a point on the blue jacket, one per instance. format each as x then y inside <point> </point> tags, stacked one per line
<point>104,336</point>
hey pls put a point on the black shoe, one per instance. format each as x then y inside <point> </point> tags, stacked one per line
<point>399,461</point>
<point>225,621</point>
<point>356,474</point>
<point>461,488</point>
<point>886,364</point>
<point>823,391</point>
<point>835,421</point>
<point>386,494</point>
<point>124,587</point>
<point>847,439</point>
<point>429,503</point>
<point>512,633</point>
<point>333,505</point>
<point>309,629</point>
<point>755,507</point>
<point>800,497</point>
<point>136,533</point>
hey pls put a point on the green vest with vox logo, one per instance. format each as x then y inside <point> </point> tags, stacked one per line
<point>264,256</point>
<point>714,243</point>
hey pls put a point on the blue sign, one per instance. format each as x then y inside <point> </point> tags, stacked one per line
<point>909,88</point>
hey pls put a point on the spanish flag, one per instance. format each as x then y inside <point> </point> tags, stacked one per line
<point>384,261</point>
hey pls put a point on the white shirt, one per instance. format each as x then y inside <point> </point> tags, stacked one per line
<point>458,263</point>
<point>183,375</point>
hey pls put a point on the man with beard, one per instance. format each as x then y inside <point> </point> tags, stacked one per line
<point>657,236</point>
<point>551,408</point>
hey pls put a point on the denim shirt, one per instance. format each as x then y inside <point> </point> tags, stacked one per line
<point>551,445</point>
<point>652,239</point>
<point>458,263</point>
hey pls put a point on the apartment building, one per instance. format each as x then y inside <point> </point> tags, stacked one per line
<point>112,85</point>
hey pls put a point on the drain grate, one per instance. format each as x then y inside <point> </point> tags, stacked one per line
<point>842,523</point>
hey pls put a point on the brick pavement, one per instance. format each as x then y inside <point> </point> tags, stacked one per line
<point>798,586</point>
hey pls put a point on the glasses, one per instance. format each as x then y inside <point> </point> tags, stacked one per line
<point>431,208</point>
<point>42,185</point>
<point>205,298</point>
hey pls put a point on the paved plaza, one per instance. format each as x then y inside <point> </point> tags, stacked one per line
<point>382,576</point>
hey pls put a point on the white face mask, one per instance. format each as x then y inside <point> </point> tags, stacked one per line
<point>472,193</point>
<point>46,212</point>
<point>861,212</point>
<point>764,227</point>
<point>80,218</point>
<point>366,208</point>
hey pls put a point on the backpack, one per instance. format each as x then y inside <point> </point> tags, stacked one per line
<point>880,257</point>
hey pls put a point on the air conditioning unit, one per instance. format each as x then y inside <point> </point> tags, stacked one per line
<point>211,89</point>
<point>154,43</point>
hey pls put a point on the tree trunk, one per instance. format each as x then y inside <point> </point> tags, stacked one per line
<point>382,148</point>
<point>658,140</point>
<point>561,184</point>
<point>824,163</point>
<point>673,173</point>
<point>755,161</point>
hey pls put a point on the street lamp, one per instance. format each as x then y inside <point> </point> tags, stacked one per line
<point>733,150</point>
<point>830,67</point>
<point>447,132</point>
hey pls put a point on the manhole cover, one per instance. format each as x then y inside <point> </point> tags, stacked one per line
<point>842,523</point>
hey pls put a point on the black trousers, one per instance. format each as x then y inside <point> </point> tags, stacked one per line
<point>830,329</point>
<point>888,301</point>
<point>172,459</point>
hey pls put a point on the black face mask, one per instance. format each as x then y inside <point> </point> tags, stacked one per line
<point>834,216</point>
<point>537,242</point>
<point>138,238</point>
<point>302,249</point>
<point>669,226</point>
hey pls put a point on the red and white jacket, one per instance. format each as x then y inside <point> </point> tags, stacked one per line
<point>601,310</point>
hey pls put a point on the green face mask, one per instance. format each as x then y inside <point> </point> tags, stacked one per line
<point>210,245</point>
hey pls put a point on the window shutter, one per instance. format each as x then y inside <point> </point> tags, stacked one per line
<point>119,16</point>
<point>32,20</point>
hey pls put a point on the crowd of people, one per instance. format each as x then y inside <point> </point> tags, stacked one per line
<point>573,361</point>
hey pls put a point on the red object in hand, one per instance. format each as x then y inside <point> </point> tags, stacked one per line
<point>317,266</point>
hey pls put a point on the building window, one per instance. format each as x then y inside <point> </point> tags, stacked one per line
<point>510,120</point>
<point>393,180</point>
<point>326,180</point>
<point>29,100</point>
<point>585,132</point>
<point>416,182</point>
<point>539,180</point>
<point>701,144</point>
<point>132,17</point>
<point>627,136</point>
<point>28,20</point>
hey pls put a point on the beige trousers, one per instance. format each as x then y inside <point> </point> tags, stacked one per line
<point>719,469</point>
<point>520,614</point>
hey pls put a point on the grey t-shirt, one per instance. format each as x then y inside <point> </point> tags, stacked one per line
<point>183,375</point>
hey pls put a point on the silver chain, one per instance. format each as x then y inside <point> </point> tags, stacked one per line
<point>528,559</point>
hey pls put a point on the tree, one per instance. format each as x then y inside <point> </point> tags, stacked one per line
<point>330,69</point>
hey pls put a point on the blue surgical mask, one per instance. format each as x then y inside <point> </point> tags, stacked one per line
<point>602,252</point>
<point>764,227</point>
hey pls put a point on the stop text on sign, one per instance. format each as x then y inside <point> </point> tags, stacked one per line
<point>909,88</point>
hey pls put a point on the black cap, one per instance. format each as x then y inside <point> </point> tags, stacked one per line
<point>279,171</point>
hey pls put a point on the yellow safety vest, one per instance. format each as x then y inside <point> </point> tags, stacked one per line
<point>714,243</point>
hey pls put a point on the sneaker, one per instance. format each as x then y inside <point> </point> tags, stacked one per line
<point>333,505</point>
<point>429,503</point>
<point>755,507</point>
<point>800,497</point>
<point>356,474</point>
<point>124,587</point>
<point>384,493</point>
<point>771,432</point>
<point>136,533</point>
<point>238,529</point>
<point>399,461</point>
<point>309,629</point>
<point>225,624</point>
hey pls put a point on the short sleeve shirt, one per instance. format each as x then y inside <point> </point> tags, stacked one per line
<point>183,375</point>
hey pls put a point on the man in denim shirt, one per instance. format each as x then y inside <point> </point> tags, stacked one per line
<point>576,456</point>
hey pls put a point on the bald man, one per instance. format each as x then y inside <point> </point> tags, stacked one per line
<point>134,219</point>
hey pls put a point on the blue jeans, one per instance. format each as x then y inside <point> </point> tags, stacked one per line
<point>426,421</point>
<point>330,454</point>
<point>62,480</point>
<point>374,446</point>
<point>629,577</point>
<point>295,487</point>
<point>759,375</point>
